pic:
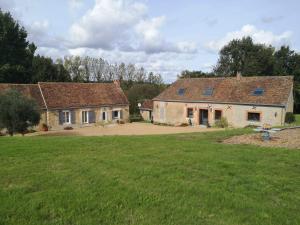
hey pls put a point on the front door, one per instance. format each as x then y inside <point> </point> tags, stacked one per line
<point>203,117</point>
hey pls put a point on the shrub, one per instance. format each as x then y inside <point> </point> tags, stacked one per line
<point>290,117</point>
<point>44,127</point>
<point>17,112</point>
<point>135,118</point>
<point>68,128</point>
<point>222,123</point>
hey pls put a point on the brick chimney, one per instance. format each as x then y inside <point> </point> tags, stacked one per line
<point>238,76</point>
<point>117,83</point>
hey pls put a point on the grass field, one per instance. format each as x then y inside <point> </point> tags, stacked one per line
<point>169,179</point>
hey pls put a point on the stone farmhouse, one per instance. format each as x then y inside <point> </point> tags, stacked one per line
<point>241,100</point>
<point>76,104</point>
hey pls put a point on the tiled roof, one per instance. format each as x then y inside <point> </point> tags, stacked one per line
<point>147,104</point>
<point>77,95</point>
<point>71,95</point>
<point>29,90</point>
<point>276,90</point>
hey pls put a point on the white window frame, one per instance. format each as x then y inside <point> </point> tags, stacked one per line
<point>69,117</point>
<point>119,114</point>
<point>83,117</point>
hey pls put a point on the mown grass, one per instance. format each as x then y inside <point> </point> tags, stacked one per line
<point>166,179</point>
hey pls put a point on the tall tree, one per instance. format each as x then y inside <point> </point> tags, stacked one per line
<point>246,57</point>
<point>16,52</point>
<point>43,69</point>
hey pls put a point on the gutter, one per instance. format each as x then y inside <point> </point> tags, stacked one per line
<point>214,102</point>
<point>47,113</point>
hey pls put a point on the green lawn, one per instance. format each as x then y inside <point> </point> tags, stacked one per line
<point>168,179</point>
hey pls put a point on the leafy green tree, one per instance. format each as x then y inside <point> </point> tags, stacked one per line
<point>194,74</point>
<point>16,53</point>
<point>43,69</point>
<point>17,112</point>
<point>246,57</point>
<point>138,92</point>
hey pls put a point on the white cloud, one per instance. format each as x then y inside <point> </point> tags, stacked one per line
<point>259,36</point>
<point>106,24</point>
<point>123,25</point>
<point>75,4</point>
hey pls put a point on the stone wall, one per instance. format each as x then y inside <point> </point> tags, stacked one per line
<point>175,113</point>
<point>53,117</point>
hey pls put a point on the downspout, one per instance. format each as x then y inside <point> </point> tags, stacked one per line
<point>47,112</point>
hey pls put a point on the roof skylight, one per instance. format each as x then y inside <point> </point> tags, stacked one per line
<point>181,91</point>
<point>258,92</point>
<point>208,91</point>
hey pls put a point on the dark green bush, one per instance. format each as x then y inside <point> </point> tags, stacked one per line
<point>290,117</point>
<point>135,118</point>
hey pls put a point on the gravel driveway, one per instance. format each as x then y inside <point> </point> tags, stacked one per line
<point>126,129</point>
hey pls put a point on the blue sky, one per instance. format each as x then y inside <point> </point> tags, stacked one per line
<point>163,36</point>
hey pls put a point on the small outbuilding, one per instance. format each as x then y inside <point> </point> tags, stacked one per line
<point>146,108</point>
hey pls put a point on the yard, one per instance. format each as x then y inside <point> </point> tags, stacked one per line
<point>161,179</point>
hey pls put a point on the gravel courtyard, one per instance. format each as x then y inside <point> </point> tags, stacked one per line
<point>126,129</point>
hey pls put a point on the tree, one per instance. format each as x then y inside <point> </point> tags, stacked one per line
<point>16,52</point>
<point>194,74</point>
<point>43,69</point>
<point>17,112</point>
<point>246,57</point>
<point>139,92</point>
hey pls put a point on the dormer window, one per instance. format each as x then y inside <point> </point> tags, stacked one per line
<point>181,91</point>
<point>208,91</point>
<point>258,92</point>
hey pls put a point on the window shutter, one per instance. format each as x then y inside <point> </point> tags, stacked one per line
<point>92,117</point>
<point>73,119</point>
<point>121,114</point>
<point>61,117</point>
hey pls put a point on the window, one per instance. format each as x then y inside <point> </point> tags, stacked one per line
<point>252,116</point>
<point>190,112</point>
<point>85,117</point>
<point>115,114</point>
<point>181,91</point>
<point>218,114</point>
<point>258,92</point>
<point>104,116</point>
<point>208,91</point>
<point>66,117</point>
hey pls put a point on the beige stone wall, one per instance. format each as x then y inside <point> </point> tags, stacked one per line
<point>53,116</point>
<point>176,113</point>
<point>290,104</point>
<point>145,114</point>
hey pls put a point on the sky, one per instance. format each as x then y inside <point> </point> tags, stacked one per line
<point>163,36</point>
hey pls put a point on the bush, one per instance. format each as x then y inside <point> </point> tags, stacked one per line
<point>17,112</point>
<point>44,127</point>
<point>68,128</point>
<point>135,118</point>
<point>222,123</point>
<point>290,117</point>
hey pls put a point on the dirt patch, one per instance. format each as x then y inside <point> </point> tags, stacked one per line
<point>289,138</point>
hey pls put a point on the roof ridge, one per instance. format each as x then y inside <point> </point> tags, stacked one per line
<point>75,82</point>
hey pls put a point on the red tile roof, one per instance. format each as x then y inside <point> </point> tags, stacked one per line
<point>29,90</point>
<point>147,104</point>
<point>231,90</point>
<point>71,95</point>
<point>77,95</point>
